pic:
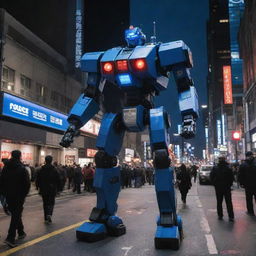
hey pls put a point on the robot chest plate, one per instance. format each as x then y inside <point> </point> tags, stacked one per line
<point>129,67</point>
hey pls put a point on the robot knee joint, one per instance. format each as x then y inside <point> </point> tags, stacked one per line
<point>104,160</point>
<point>161,159</point>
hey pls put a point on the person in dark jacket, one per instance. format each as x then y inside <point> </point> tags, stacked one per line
<point>184,182</point>
<point>222,178</point>
<point>247,179</point>
<point>194,172</point>
<point>48,182</point>
<point>78,178</point>
<point>2,197</point>
<point>15,185</point>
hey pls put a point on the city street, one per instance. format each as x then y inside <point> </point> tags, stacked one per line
<point>204,234</point>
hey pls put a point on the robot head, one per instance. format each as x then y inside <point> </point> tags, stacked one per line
<point>134,37</point>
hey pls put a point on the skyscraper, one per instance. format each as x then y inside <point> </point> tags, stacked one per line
<point>224,75</point>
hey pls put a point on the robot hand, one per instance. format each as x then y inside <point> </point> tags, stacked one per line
<point>188,127</point>
<point>68,136</point>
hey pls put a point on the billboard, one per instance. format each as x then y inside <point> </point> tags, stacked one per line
<point>24,110</point>
<point>227,84</point>
<point>30,112</point>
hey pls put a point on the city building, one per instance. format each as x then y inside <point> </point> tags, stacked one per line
<point>247,43</point>
<point>225,83</point>
<point>37,92</point>
<point>50,78</point>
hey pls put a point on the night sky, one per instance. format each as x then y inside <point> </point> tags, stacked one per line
<point>178,20</point>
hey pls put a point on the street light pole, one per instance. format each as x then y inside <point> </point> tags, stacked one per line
<point>236,151</point>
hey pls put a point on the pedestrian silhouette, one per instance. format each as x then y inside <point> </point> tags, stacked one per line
<point>48,182</point>
<point>15,185</point>
<point>222,178</point>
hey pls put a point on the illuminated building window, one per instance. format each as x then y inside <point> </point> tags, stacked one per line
<point>25,86</point>
<point>41,93</point>
<point>8,78</point>
<point>223,51</point>
<point>224,21</point>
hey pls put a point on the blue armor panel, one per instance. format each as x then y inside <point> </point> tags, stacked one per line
<point>158,132</point>
<point>134,119</point>
<point>148,53</point>
<point>188,102</point>
<point>109,139</point>
<point>174,53</point>
<point>90,61</point>
<point>106,180</point>
<point>84,109</point>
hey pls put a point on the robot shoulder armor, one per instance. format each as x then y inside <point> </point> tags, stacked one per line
<point>174,53</point>
<point>89,61</point>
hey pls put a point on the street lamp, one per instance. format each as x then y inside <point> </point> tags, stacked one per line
<point>204,106</point>
<point>236,136</point>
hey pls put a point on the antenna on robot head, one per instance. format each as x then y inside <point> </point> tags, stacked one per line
<point>153,38</point>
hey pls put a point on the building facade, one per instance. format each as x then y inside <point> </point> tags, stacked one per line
<point>247,43</point>
<point>225,84</point>
<point>37,92</point>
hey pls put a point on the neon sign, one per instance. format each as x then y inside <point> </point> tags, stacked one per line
<point>227,83</point>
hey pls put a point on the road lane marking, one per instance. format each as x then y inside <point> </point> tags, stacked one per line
<point>126,249</point>
<point>212,249</point>
<point>211,244</point>
<point>39,239</point>
<point>204,224</point>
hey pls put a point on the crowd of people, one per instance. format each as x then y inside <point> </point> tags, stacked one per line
<point>49,179</point>
<point>52,178</point>
<point>136,176</point>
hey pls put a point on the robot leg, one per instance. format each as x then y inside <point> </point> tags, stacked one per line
<point>169,225</point>
<point>107,184</point>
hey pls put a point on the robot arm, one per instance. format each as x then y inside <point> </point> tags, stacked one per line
<point>176,57</point>
<point>188,101</point>
<point>87,104</point>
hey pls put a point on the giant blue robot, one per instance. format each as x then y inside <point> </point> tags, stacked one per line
<point>140,71</point>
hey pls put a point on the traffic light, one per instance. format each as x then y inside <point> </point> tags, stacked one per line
<point>236,135</point>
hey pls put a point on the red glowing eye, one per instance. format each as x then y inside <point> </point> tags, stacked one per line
<point>140,64</point>
<point>108,67</point>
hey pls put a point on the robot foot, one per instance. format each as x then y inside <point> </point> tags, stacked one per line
<point>91,232</point>
<point>167,238</point>
<point>115,226</point>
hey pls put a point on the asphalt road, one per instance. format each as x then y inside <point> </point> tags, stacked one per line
<point>204,234</point>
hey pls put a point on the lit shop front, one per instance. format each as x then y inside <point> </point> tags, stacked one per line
<point>37,131</point>
<point>86,155</point>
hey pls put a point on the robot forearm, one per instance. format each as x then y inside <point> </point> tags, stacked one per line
<point>84,109</point>
<point>188,104</point>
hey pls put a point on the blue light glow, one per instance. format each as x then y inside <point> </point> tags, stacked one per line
<point>24,110</point>
<point>125,79</point>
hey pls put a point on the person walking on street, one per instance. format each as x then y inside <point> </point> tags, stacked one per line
<point>194,172</point>
<point>48,182</point>
<point>70,176</point>
<point>78,179</point>
<point>184,182</point>
<point>15,185</point>
<point>222,178</point>
<point>247,179</point>
<point>2,197</point>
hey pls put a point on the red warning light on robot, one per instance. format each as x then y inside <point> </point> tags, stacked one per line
<point>236,135</point>
<point>140,64</point>
<point>108,68</point>
<point>122,65</point>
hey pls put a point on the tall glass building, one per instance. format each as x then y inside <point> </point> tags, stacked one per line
<point>236,9</point>
<point>225,79</point>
